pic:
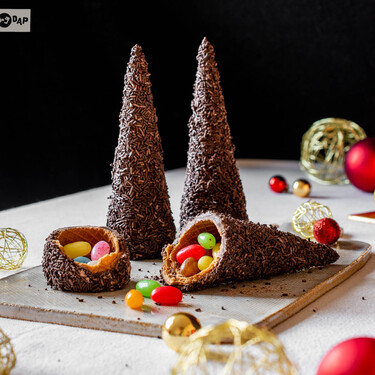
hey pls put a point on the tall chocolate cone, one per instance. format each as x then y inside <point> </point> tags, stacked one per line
<point>248,251</point>
<point>140,208</point>
<point>212,180</point>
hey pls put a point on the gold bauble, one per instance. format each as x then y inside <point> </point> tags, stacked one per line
<point>306,215</point>
<point>13,248</point>
<point>324,146</point>
<point>301,188</point>
<point>253,350</point>
<point>7,356</point>
<point>177,329</point>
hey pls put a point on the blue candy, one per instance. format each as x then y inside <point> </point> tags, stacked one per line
<point>82,259</point>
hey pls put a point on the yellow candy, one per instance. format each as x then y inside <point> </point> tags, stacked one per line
<point>204,262</point>
<point>77,249</point>
<point>216,250</point>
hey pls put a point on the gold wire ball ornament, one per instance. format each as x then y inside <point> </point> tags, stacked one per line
<point>13,248</point>
<point>177,329</point>
<point>324,146</point>
<point>252,351</point>
<point>306,215</point>
<point>7,355</point>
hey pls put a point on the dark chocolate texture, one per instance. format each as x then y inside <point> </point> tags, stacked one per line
<point>139,208</point>
<point>63,273</point>
<point>248,251</point>
<point>212,181</point>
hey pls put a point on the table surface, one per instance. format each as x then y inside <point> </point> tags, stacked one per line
<point>342,313</point>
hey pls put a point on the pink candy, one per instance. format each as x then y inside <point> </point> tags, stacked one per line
<point>100,249</point>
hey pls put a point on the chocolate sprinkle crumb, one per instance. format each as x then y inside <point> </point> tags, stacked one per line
<point>284,295</point>
<point>100,297</point>
<point>114,302</point>
<point>223,308</point>
<point>63,273</point>
<point>139,203</point>
<point>198,310</point>
<point>264,251</point>
<point>212,180</point>
<point>363,298</point>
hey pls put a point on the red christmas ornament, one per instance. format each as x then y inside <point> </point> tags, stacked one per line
<point>278,184</point>
<point>350,357</point>
<point>360,164</point>
<point>326,231</point>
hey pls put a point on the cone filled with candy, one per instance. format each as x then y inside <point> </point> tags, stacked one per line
<point>243,250</point>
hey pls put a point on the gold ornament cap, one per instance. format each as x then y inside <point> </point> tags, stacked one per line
<point>178,328</point>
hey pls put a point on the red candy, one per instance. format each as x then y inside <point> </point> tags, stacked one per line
<point>166,295</point>
<point>326,231</point>
<point>192,251</point>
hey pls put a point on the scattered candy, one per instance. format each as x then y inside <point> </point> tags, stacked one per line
<point>204,262</point>
<point>326,231</point>
<point>166,295</point>
<point>216,249</point>
<point>145,287</point>
<point>207,240</point>
<point>77,249</point>
<point>92,263</point>
<point>189,267</point>
<point>134,299</point>
<point>278,184</point>
<point>82,260</point>
<point>100,249</point>
<point>194,251</point>
<point>301,188</point>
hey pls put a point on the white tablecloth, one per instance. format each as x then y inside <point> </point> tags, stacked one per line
<point>344,312</point>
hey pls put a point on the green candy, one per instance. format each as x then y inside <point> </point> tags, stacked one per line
<point>207,240</point>
<point>146,287</point>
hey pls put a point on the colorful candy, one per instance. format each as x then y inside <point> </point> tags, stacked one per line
<point>145,287</point>
<point>166,295</point>
<point>207,240</point>
<point>134,299</point>
<point>216,249</point>
<point>100,249</point>
<point>189,267</point>
<point>82,260</point>
<point>191,251</point>
<point>204,262</point>
<point>77,249</point>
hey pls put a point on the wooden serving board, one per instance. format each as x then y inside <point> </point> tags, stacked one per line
<point>26,296</point>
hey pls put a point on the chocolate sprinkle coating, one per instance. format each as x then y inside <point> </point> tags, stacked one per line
<point>212,180</point>
<point>248,251</point>
<point>140,208</point>
<point>63,273</point>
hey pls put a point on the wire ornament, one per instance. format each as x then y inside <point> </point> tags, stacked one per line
<point>253,350</point>
<point>13,248</point>
<point>324,146</point>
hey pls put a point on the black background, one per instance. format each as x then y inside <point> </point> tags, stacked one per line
<point>284,64</point>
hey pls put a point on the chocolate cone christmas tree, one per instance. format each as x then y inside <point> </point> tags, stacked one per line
<point>140,208</point>
<point>247,251</point>
<point>212,180</point>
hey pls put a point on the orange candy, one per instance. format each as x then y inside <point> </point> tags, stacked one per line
<point>134,299</point>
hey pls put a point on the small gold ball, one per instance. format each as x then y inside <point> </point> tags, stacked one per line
<point>301,188</point>
<point>177,329</point>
